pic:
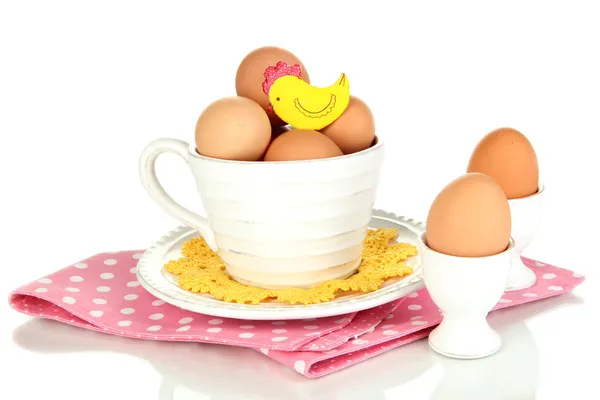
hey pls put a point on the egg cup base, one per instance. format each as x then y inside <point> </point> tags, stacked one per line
<point>520,276</point>
<point>464,337</point>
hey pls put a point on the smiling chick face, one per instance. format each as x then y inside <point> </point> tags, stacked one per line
<point>307,107</point>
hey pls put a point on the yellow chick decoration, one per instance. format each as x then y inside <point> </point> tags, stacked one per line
<point>299,103</point>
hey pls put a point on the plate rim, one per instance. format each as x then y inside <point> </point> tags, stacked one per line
<point>189,301</point>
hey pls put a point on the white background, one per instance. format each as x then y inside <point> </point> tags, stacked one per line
<point>84,86</point>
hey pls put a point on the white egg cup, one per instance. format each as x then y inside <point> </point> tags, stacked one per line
<point>525,213</point>
<point>465,289</point>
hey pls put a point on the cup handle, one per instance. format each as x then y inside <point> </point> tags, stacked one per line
<point>156,191</point>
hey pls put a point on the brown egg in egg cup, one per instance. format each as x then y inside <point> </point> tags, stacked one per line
<point>507,155</point>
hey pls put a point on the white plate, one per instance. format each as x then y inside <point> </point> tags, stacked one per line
<point>163,285</point>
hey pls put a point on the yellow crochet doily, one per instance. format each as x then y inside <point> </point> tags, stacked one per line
<point>200,270</point>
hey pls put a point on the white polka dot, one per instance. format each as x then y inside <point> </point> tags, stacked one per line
<point>214,321</point>
<point>388,326</point>
<point>548,276</point>
<point>264,351</point>
<point>107,275</point>
<point>300,366</point>
<point>124,323</point>
<point>68,300</point>
<point>246,326</point>
<point>389,332</point>
<point>576,275</point>
<point>415,318</point>
<point>130,297</point>
<point>133,270</point>
<point>133,284</point>
<point>279,339</point>
<point>278,323</point>
<point>414,307</point>
<point>156,317</point>
<point>279,330</point>
<point>389,316</point>
<point>311,327</point>
<point>157,303</point>
<point>45,280</point>
<point>246,335</point>
<point>555,288</point>
<point>76,278</point>
<point>413,295</point>
<point>72,289</point>
<point>213,330</point>
<point>529,295</point>
<point>359,341</point>
<point>183,328</point>
<point>103,289</point>
<point>137,256</point>
<point>154,328</point>
<point>504,301</point>
<point>110,261</point>
<point>96,313</point>
<point>342,320</point>
<point>41,290</point>
<point>127,311</point>
<point>540,264</point>
<point>312,334</point>
<point>186,320</point>
<point>99,301</point>
<point>418,323</point>
<point>81,265</point>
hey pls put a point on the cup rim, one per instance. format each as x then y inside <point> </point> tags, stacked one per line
<point>539,192</point>
<point>511,245</point>
<point>378,144</point>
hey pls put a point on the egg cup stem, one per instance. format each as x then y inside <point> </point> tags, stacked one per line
<point>526,214</point>
<point>520,276</point>
<point>465,336</point>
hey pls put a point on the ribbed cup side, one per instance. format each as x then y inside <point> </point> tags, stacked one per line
<point>277,230</point>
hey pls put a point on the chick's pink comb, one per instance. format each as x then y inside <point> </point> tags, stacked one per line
<point>281,69</point>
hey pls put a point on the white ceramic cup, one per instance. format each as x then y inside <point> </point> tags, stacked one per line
<point>525,213</point>
<point>277,224</point>
<point>465,289</point>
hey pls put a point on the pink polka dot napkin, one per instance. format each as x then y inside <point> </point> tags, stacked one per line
<point>363,322</point>
<point>102,293</point>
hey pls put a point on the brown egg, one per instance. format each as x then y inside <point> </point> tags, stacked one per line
<point>250,75</point>
<point>507,156</point>
<point>233,128</point>
<point>300,144</point>
<point>354,130</point>
<point>470,217</point>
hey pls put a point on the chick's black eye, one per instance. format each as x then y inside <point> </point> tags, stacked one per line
<point>277,99</point>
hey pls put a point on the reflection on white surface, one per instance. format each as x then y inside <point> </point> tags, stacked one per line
<point>200,371</point>
<point>512,373</point>
<point>419,388</point>
<point>183,392</point>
